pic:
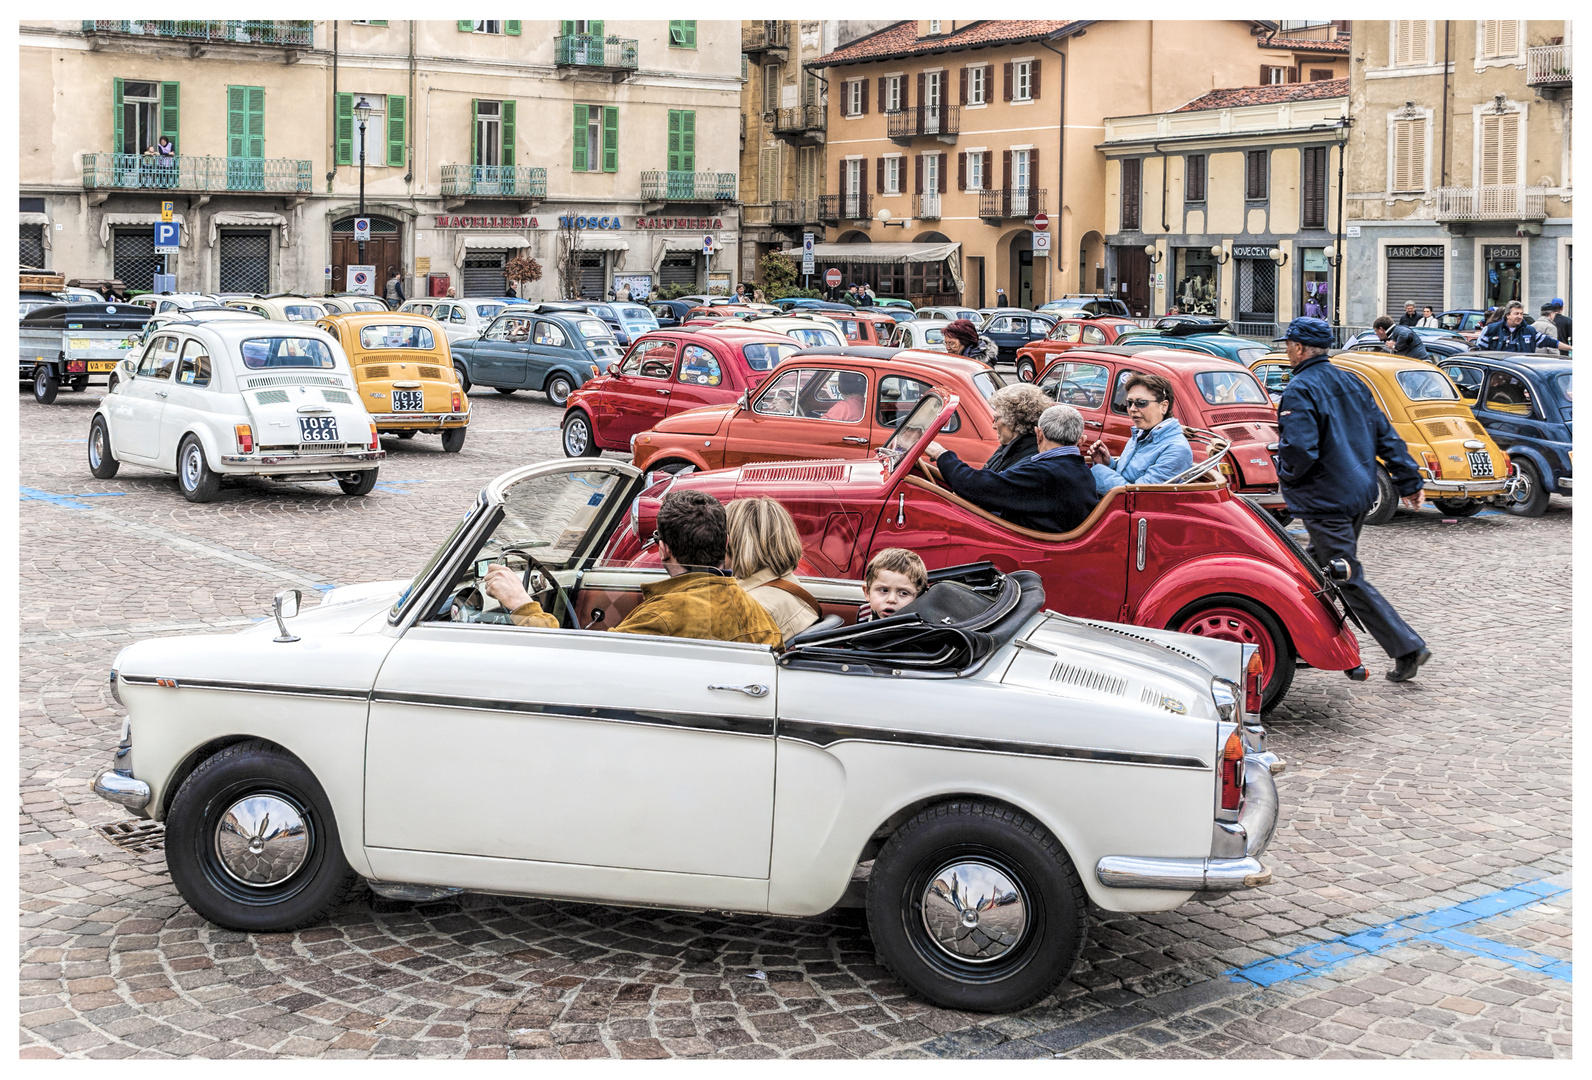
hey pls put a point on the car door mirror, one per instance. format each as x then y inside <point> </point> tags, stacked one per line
<point>613,370</point>
<point>743,402</point>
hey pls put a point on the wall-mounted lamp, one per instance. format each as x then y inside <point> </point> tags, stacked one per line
<point>1330,253</point>
<point>1155,253</point>
<point>1278,256</point>
<point>884,219</point>
<point>1220,254</point>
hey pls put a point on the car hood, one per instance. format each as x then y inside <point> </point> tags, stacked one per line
<point>705,420</point>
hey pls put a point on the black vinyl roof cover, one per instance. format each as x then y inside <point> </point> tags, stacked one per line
<point>87,317</point>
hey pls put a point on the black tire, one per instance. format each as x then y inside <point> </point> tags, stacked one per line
<point>1251,617</point>
<point>1535,503</point>
<point>578,440</point>
<point>505,390</point>
<point>45,384</point>
<point>1460,507</point>
<point>464,377</point>
<point>321,882</point>
<point>362,483</point>
<point>101,460</point>
<point>197,481</point>
<point>1387,499</point>
<point>1026,371</point>
<point>670,467</point>
<point>453,439</point>
<point>1282,514</point>
<point>79,383</point>
<point>558,388</point>
<point>1037,953</point>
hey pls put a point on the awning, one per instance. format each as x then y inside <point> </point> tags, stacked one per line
<point>250,217</point>
<point>489,242</point>
<point>687,243</point>
<point>108,220</point>
<point>603,243</point>
<point>825,255</point>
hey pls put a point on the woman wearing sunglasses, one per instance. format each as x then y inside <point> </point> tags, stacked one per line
<point>1157,449</point>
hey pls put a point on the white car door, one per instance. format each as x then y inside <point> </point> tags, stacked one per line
<point>191,402</point>
<point>575,748</point>
<point>139,404</point>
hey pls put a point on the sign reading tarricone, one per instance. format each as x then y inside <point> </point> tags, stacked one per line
<point>1415,251</point>
<point>453,221</point>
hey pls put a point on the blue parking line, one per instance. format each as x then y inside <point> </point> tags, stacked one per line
<point>69,502</point>
<point>1438,927</point>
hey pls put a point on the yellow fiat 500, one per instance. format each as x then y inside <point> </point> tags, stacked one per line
<point>1464,468</point>
<point>405,373</point>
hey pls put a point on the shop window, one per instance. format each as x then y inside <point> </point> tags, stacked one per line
<point>1316,283</point>
<point>1196,281</point>
<point>1503,274</point>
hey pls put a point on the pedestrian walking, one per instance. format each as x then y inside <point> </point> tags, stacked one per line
<point>1560,320</point>
<point>1512,334</point>
<point>1409,318</point>
<point>393,293</point>
<point>1331,435</point>
<point>1000,298</point>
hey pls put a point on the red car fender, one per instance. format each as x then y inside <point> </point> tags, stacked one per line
<point>645,453</point>
<point>1311,623</point>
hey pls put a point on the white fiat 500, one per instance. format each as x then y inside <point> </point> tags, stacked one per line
<point>237,398</point>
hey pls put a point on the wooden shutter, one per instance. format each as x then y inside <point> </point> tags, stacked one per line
<point>1500,148</point>
<point>566,28</point>
<point>689,25</point>
<point>344,129</point>
<point>962,96</point>
<point>961,160</point>
<point>475,131</point>
<point>1509,38</point>
<point>1293,74</point>
<point>1409,155</point>
<point>941,175</point>
<point>1033,79</point>
<point>582,119</point>
<point>879,174</point>
<point>610,138</point>
<point>768,174</point>
<point>117,120</point>
<point>1410,47</point>
<point>862,180</point>
<point>688,134</point>
<point>594,27</point>
<point>841,189</point>
<point>923,98</point>
<point>397,113</point>
<point>1312,187</point>
<point>236,121</point>
<point>1033,179</point>
<point>989,168</point>
<point>511,26</point>
<point>1131,180</point>
<point>507,110</point>
<point>1265,75</point>
<point>169,99</point>
<point>1194,178</point>
<point>1006,168</point>
<point>864,92</point>
<point>917,174</point>
<point>1006,89</point>
<point>1489,37</point>
<point>884,98</point>
<point>1255,174</point>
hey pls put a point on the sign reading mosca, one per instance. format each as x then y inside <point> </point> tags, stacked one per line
<point>1415,251</point>
<point>446,221</point>
<point>588,221</point>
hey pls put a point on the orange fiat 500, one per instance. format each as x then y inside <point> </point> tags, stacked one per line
<point>405,373</point>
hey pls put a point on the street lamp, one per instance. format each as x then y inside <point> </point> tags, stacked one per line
<point>1278,256</point>
<point>1155,253</point>
<point>1220,254</point>
<point>884,217</point>
<point>361,110</point>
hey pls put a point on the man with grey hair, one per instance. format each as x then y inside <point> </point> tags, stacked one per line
<point>1052,492</point>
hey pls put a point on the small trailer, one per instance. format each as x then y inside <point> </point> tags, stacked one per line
<point>72,344</point>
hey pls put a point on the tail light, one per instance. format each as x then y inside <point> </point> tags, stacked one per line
<point>1233,773</point>
<point>1434,466</point>
<point>1254,682</point>
<point>375,439</point>
<point>245,437</point>
<point>458,402</point>
<point>77,365</point>
<point>1226,469</point>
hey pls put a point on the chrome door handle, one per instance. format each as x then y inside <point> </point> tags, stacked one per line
<point>756,690</point>
<point>663,392</point>
<point>160,393</point>
<point>855,439</point>
<point>1093,423</point>
<point>901,509</point>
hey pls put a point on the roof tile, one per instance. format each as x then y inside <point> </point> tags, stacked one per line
<point>1268,95</point>
<point>902,39</point>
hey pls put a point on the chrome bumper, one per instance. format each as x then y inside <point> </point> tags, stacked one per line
<point>122,789</point>
<point>1562,484</point>
<point>1481,485</point>
<point>419,418</point>
<point>306,462</point>
<point>1263,498</point>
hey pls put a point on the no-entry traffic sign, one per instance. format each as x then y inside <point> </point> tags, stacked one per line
<point>832,277</point>
<point>1041,222</point>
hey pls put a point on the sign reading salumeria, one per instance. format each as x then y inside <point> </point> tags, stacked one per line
<point>692,223</point>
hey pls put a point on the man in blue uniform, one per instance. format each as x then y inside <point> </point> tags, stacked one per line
<point>1331,435</point>
<point>1513,333</point>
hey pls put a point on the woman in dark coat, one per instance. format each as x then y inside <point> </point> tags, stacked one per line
<point>1016,408</point>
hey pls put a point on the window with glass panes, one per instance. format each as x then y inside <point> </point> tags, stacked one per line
<point>977,81</point>
<point>596,139</point>
<point>1022,80</point>
<point>492,133</point>
<point>892,93</point>
<point>892,174</point>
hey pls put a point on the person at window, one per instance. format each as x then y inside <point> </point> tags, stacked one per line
<point>1400,339</point>
<point>164,148</point>
<point>1512,334</point>
<point>764,549</point>
<point>393,293</point>
<point>1050,492</point>
<point>963,339</point>
<point>1409,318</point>
<point>697,600</point>
<point>1427,317</point>
<point>1156,451</point>
<point>852,405</point>
<point>1017,408</point>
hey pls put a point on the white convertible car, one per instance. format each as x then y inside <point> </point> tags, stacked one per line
<point>981,766</point>
<point>244,397</point>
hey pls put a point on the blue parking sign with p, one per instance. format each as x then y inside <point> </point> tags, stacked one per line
<point>165,234</point>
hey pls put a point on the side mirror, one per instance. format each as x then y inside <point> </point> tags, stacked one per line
<point>613,369</point>
<point>285,605</point>
<point>743,402</point>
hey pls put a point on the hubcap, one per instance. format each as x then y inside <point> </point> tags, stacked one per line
<point>190,467</point>
<point>262,840</point>
<point>1229,624</point>
<point>96,447</point>
<point>973,911</point>
<point>575,438</point>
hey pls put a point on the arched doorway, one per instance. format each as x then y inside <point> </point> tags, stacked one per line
<point>855,236</point>
<point>1091,263</point>
<point>384,248</point>
<point>1018,249</point>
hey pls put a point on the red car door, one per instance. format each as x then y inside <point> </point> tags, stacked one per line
<point>700,378</point>
<point>802,414</point>
<point>639,397</point>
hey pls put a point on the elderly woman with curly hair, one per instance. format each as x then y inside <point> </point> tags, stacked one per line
<point>1016,408</point>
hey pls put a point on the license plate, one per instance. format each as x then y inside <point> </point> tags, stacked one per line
<point>102,365</point>
<point>318,429</point>
<point>408,400</point>
<point>1480,463</point>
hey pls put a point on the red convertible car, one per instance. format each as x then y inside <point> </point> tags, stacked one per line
<point>1184,556</point>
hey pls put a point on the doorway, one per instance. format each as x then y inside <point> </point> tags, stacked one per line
<point>1133,279</point>
<point>384,248</point>
<point>976,273</point>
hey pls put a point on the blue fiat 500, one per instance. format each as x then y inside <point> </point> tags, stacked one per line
<point>1523,400</point>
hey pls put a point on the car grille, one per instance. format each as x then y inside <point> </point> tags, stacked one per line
<point>337,396</point>
<point>1088,678</point>
<point>312,448</point>
<point>429,372</point>
<point>1475,428</point>
<point>1440,429</point>
<point>378,371</point>
<point>292,380</point>
<point>796,472</point>
<point>271,397</point>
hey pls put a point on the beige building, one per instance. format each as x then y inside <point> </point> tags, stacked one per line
<point>1459,179</point>
<point>480,137</point>
<point>963,132</point>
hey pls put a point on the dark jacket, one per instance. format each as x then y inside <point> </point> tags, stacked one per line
<point>1048,494</point>
<point>1409,318</point>
<point>1331,435</point>
<point>1405,341</point>
<point>1562,323</point>
<point>1015,452</point>
<point>1497,337</point>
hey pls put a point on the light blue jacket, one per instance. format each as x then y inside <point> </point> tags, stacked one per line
<point>1151,457</point>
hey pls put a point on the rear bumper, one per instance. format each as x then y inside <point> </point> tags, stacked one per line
<point>122,789</point>
<point>409,420</point>
<point>1479,488</point>
<point>297,463</point>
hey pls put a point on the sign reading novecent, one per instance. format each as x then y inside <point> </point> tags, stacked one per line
<point>1251,252</point>
<point>832,277</point>
<point>1041,222</point>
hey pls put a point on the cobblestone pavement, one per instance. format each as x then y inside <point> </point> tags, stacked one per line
<point>1421,903</point>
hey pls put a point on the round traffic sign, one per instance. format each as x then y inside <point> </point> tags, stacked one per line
<point>361,277</point>
<point>1041,222</point>
<point>832,277</point>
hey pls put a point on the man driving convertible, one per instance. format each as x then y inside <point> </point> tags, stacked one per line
<point>697,600</point>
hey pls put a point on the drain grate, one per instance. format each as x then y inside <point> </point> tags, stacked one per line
<point>139,837</point>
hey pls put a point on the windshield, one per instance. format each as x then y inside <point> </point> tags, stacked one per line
<point>1230,388</point>
<point>765,356</point>
<point>636,314</point>
<point>431,563</point>
<point>395,337</point>
<point>551,515</point>
<point>290,352</point>
<point>814,336</point>
<point>911,430</point>
<point>1427,385</point>
<point>987,382</point>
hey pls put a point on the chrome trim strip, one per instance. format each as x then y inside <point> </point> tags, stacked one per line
<point>1482,484</point>
<point>1182,875</point>
<point>827,735</point>
<point>253,688</point>
<point>430,418</point>
<point>716,723</point>
<point>304,460</point>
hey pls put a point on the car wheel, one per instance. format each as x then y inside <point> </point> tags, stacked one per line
<point>101,462</point>
<point>1283,515</point>
<point>79,383</point>
<point>45,385</point>
<point>558,389</point>
<point>361,484</point>
<point>670,467</point>
<point>252,844</point>
<point>1025,369</point>
<point>1535,502</point>
<point>453,439</point>
<point>1387,500</point>
<point>464,377</point>
<point>1234,618</point>
<point>976,907</point>
<point>505,390</point>
<point>199,483</point>
<point>1460,507</point>
<point>578,440</point>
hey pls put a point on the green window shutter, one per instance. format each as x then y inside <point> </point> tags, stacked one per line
<point>687,140</point>
<point>466,26</point>
<point>674,140</point>
<point>689,25</point>
<point>580,164</point>
<point>168,114</point>
<point>610,138</point>
<point>595,28</point>
<point>237,120</point>
<point>676,34</point>
<point>254,143</point>
<point>566,28</point>
<point>378,22</point>
<point>345,129</point>
<point>116,114</point>
<point>511,26</point>
<point>475,131</point>
<point>396,115</point>
<point>507,110</point>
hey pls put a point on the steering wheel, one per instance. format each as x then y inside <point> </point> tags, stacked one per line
<point>930,471</point>
<point>562,607</point>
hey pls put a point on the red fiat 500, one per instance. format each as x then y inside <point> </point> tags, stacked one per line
<point>1069,334</point>
<point>1188,557</point>
<point>667,371</point>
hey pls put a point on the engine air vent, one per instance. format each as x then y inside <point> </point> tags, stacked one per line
<point>337,396</point>
<point>429,372</point>
<point>271,397</point>
<point>796,472</point>
<point>293,380</point>
<point>1439,429</point>
<point>1421,412</point>
<point>1088,678</point>
<point>1157,700</point>
<point>378,371</point>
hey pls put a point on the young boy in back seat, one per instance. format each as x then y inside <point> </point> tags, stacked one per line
<point>894,578</point>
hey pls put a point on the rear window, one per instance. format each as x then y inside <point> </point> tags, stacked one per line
<point>1563,383</point>
<point>1249,356</point>
<point>934,336</point>
<point>489,311</point>
<point>302,312</point>
<point>635,314</point>
<point>286,352</point>
<point>1427,385</point>
<point>593,328</point>
<point>395,337</point>
<point>814,336</point>
<point>765,356</point>
<point>199,304</point>
<point>1230,388</point>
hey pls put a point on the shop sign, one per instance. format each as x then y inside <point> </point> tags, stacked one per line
<point>588,221</point>
<point>1315,260</point>
<point>1502,251</point>
<point>1251,252</point>
<point>1415,251</point>
<point>692,223</point>
<point>450,221</point>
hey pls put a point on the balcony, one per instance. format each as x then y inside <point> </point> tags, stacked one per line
<point>136,172</point>
<point>853,207</point>
<point>1548,68</point>
<point>615,56</point>
<point>769,36</point>
<point>801,124</point>
<point>660,186</point>
<point>280,33</point>
<point>997,204</point>
<point>929,205</point>
<point>1492,202</point>
<point>943,122</point>
<point>494,182</point>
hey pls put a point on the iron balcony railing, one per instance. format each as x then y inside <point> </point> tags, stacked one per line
<point>514,181</point>
<point>671,186</point>
<point>1011,202</point>
<point>788,212</point>
<point>937,120</point>
<point>929,204</point>
<point>589,50</point>
<point>799,120</point>
<point>290,33</point>
<point>852,207</point>
<point>1492,202</point>
<point>765,34</point>
<point>1548,65</point>
<point>186,173</point>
